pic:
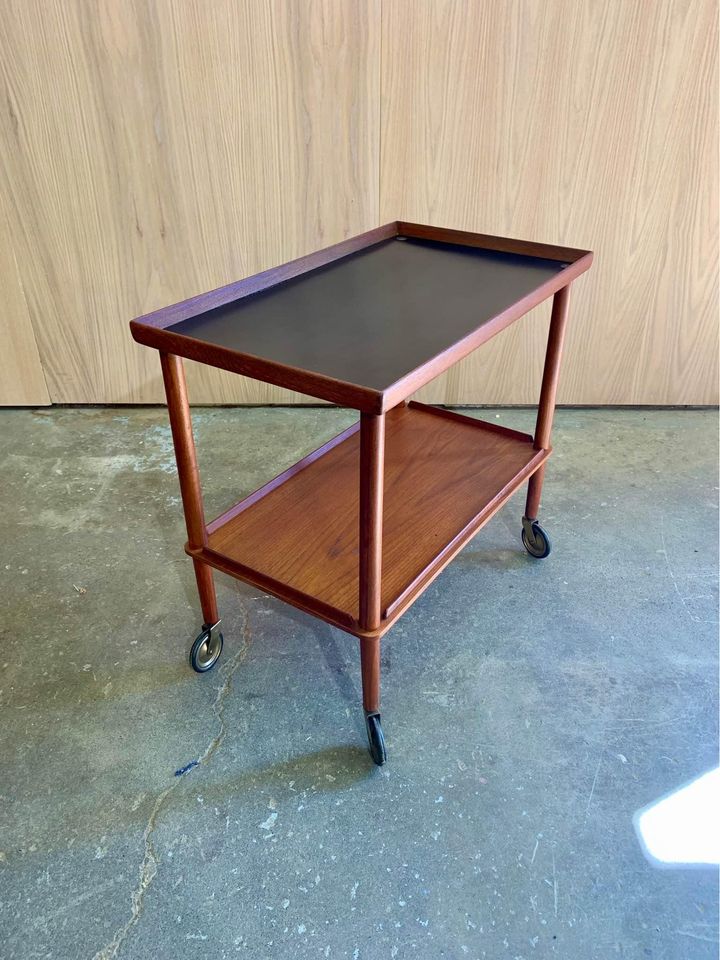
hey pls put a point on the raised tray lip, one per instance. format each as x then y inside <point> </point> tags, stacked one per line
<point>397,605</point>
<point>151,329</point>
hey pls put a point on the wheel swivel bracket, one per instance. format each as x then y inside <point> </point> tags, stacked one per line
<point>528,527</point>
<point>214,629</point>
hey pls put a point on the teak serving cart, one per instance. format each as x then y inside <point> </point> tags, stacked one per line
<point>356,530</point>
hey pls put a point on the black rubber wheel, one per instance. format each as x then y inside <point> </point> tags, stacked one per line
<point>205,651</point>
<point>376,740</point>
<point>540,545</point>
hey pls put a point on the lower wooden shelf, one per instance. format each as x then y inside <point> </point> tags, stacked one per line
<point>297,537</point>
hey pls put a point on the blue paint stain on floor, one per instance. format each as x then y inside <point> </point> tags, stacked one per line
<point>189,766</point>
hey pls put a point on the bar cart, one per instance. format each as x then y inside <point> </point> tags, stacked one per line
<point>354,532</point>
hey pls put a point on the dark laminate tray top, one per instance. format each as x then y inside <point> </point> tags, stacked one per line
<point>373,316</point>
<point>368,321</point>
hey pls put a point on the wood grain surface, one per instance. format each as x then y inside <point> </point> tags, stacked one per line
<point>155,149</point>
<point>570,122</point>
<point>304,533</point>
<point>152,150</point>
<point>22,381</point>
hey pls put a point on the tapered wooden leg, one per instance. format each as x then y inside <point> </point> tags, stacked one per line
<point>534,491</point>
<point>370,667</point>
<point>206,590</point>
<point>186,458</point>
<point>372,460</point>
<point>548,392</point>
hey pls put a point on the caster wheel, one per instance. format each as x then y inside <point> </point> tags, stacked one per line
<point>205,651</point>
<point>535,540</point>
<point>376,740</point>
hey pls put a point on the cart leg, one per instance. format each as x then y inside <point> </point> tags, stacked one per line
<point>372,460</point>
<point>206,590</point>
<point>370,667</point>
<point>532,504</point>
<point>207,647</point>
<point>534,538</point>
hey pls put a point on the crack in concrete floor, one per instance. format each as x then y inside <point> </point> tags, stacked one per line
<point>503,688</point>
<point>150,861</point>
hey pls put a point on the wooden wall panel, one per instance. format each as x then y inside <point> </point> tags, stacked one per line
<point>155,149</point>
<point>591,124</point>
<point>21,377</point>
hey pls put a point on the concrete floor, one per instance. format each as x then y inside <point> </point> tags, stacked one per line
<point>531,708</point>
